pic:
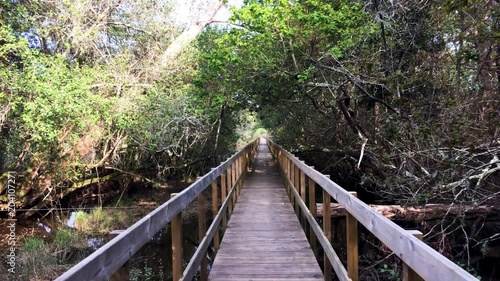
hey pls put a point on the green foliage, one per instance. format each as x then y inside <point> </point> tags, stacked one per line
<point>260,132</point>
<point>82,221</point>
<point>101,221</point>
<point>34,256</point>
<point>306,75</point>
<point>146,274</point>
<point>63,237</point>
<point>80,98</point>
<point>63,101</point>
<point>33,245</point>
<point>392,274</point>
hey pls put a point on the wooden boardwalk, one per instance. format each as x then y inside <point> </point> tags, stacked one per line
<point>264,239</point>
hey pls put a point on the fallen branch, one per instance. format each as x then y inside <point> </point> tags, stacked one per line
<point>365,140</point>
<point>427,212</point>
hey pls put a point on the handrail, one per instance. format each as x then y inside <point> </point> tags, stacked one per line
<point>322,239</point>
<point>105,261</point>
<point>425,261</point>
<point>195,261</point>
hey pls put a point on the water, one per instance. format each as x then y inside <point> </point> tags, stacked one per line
<point>154,260</point>
<point>44,227</point>
<point>71,220</point>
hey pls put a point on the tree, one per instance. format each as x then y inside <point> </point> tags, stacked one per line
<point>398,98</point>
<point>85,96</point>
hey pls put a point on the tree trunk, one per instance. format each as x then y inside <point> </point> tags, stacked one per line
<point>427,212</point>
<point>188,35</point>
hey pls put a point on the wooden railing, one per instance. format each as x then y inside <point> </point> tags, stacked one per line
<point>420,260</point>
<point>109,261</point>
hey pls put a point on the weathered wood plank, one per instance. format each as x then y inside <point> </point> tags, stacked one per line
<point>266,276</point>
<point>266,254</point>
<point>240,278</point>
<point>264,239</point>
<point>290,260</point>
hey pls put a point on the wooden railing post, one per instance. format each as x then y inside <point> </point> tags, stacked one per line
<point>237,176</point>
<point>408,273</point>
<point>327,230</point>
<point>176,228</point>
<point>296,183</point>
<point>215,210</point>
<point>285,173</point>
<point>228,189</point>
<point>352,245</point>
<point>286,166</point>
<point>233,182</point>
<point>240,173</point>
<point>282,161</point>
<point>245,162</point>
<point>303,195</point>
<point>292,177</point>
<point>122,274</point>
<point>233,172</point>
<point>250,159</point>
<point>202,230</point>
<point>312,210</point>
<point>223,196</point>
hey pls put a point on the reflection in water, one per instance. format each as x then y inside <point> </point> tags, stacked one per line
<point>46,228</point>
<point>155,258</point>
<point>71,220</point>
<point>95,243</point>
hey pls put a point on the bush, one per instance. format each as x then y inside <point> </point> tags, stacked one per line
<point>82,221</point>
<point>34,256</point>
<point>100,221</point>
<point>33,245</point>
<point>63,238</point>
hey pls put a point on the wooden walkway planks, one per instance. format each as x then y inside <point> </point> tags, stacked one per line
<point>264,239</point>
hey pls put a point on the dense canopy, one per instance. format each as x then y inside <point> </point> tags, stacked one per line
<point>396,99</point>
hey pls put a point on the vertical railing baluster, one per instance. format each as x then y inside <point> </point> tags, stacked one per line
<point>215,211</point>
<point>312,209</point>
<point>122,274</point>
<point>240,172</point>
<point>228,189</point>
<point>286,171</point>
<point>237,176</point>
<point>233,182</point>
<point>327,230</point>
<point>245,161</point>
<point>202,229</point>
<point>281,160</point>
<point>250,158</point>
<point>352,245</point>
<point>303,195</point>
<point>233,172</point>
<point>176,228</point>
<point>223,196</point>
<point>291,170</point>
<point>297,188</point>
<point>408,273</point>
